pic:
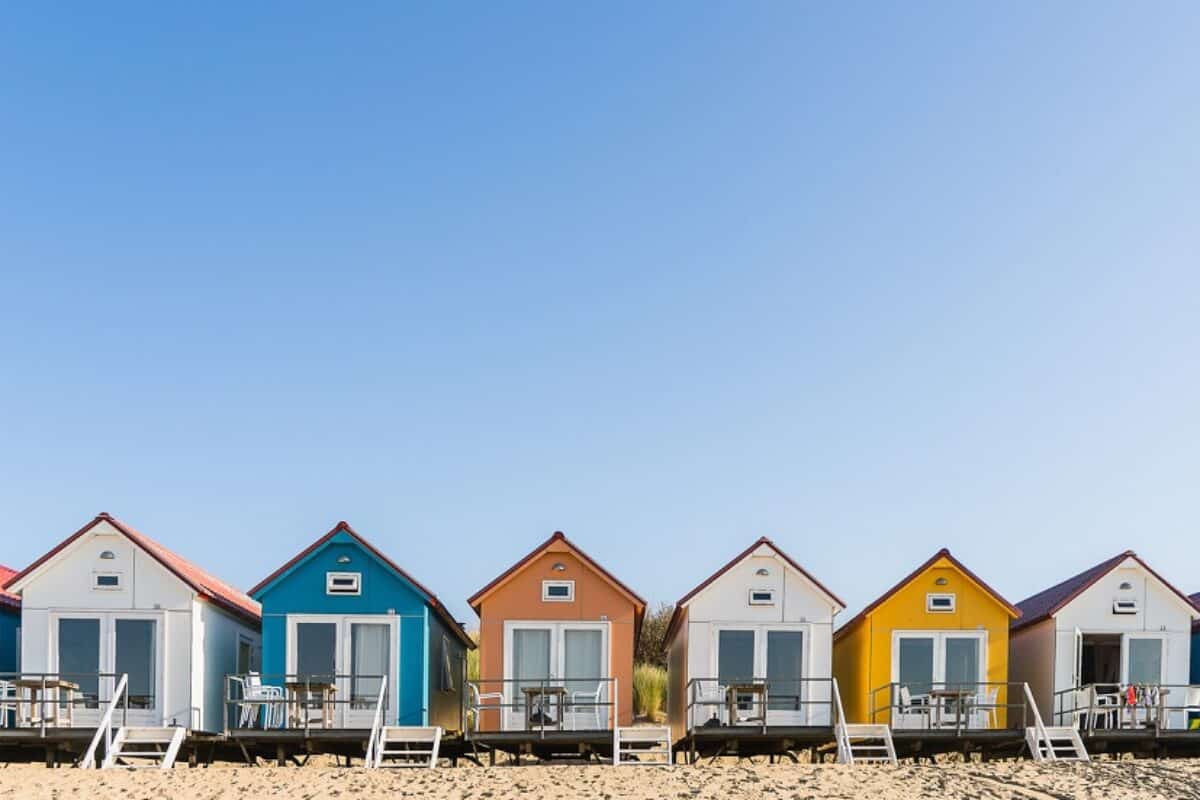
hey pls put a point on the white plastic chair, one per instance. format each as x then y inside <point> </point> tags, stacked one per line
<point>478,701</point>
<point>1092,707</point>
<point>592,708</point>
<point>258,698</point>
<point>984,714</point>
<point>8,702</point>
<point>709,703</point>
<point>912,712</point>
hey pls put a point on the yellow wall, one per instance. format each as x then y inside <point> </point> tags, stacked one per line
<point>862,653</point>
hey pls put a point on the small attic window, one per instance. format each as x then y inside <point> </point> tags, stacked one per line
<point>939,603</point>
<point>108,555</point>
<point>763,572</point>
<point>558,591</point>
<point>106,581</point>
<point>343,583</point>
<point>762,597</point>
<point>1125,607</point>
<point>1125,586</point>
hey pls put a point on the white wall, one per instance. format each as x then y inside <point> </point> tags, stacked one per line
<point>799,606</point>
<point>1160,611</point>
<point>217,638</point>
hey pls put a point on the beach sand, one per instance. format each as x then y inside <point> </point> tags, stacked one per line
<point>995,781</point>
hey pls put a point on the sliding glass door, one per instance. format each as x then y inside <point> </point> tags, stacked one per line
<point>770,654</point>
<point>93,651</point>
<point>570,660</point>
<point>354,653</point>
<point>927,661</point>
<point>79,657</point>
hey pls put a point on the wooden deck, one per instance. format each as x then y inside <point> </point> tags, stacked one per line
<point>64,746</point>
<point>745,741</point>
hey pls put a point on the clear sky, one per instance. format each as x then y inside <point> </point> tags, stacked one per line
<point>868,279</point>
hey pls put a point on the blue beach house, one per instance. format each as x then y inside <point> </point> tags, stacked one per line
<point>10,624</point>
<point>342,611</point>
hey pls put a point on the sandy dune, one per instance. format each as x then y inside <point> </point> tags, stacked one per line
<point>997,781</point>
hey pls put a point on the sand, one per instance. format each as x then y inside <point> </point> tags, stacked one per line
<point>996,781</point>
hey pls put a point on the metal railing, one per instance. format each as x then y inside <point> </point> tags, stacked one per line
<point>763,702</point>
<point>1108,706</point>
<point>51,699</point>
<point>947,706</point>
<point>548,704</point>
<point>301,702</point>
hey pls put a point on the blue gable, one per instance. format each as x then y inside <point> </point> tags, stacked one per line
<point>301,589</point>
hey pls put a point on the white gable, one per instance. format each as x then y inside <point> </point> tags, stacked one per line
<point>1146,604</point>
<point>68,579</point>
<point>793,597</point>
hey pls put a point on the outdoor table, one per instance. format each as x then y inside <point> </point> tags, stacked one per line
<point>758,694</point>
<point>958,697</point>
<point>544,694</point>
<point>37,692</point>
<point>300,695</point>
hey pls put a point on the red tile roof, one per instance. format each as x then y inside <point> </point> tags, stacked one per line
<point>677,615</point>
<point>1049,602</point>
<point>8,599</point>
<point>438,607</point>
<point>207,586</point>
<point>476,599</point>
<point>1012,610</point>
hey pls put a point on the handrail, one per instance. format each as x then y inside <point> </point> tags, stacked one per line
<point>104,729</point>
<point>812,698</point>
<point>967,697</point>
<point>376,726</point>
<point>839,727</point>
<point>1039,726</point>
<point>553,693</point>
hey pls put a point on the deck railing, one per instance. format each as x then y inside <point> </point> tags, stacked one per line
<point>542,705</point>
<point>302,702</point>
<point>948,706</point>
<point>762,702</point>
<point>46,700</point>
<point>1108,706</point>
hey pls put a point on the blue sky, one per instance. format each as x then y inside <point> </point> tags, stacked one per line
<point>867,279</point>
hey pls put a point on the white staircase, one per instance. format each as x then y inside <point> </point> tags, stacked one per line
<point>1058,743</point>
<point>645,746</point>
<point>860,743</point>
<point>144,748</point>
<point>406,746</point>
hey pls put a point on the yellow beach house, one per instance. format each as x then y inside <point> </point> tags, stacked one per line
<point>930,653</point>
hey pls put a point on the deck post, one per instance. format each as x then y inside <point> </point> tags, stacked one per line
<point>280,756</point>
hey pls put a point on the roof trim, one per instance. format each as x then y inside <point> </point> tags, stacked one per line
<point>476,599</point>
<point>945,553</point>
<point>677,614</point>
<point>1097,572</point>
<point>231,601</point>
<point>1195,598</point>
<point>342,526</point>
<point>8,598</point>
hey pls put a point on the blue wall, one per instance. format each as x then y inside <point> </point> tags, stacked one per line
<point>10,620</point>
<point>301,590</point>
<point>1196,657</point>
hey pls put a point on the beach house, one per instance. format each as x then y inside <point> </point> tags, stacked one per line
<point>10,624</point>
<point>342,613</point>
<point>931,652</point>
<point>1119,623</point>
<point>752,645</point>
<point>1195,643</point>
<point>110,601</point>
<point>557,637</point>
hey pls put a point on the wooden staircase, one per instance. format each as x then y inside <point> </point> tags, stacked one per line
<point>1061,743</point>
<point>643,746</point>
<point>405,746</point>
<point>144,748</point>
<point>865,744</point>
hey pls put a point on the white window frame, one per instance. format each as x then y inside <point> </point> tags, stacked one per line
<point>760,631</point>
<point>939,651</point>
<point>547,585</point>
<point>1132,611</point>
<point>332,577</point>
<point>951,596</point>
<point>558,658</point>
<point>770,601</point>
<point>98,574</point>
<point>343,658</point>
<point>1164,641</point>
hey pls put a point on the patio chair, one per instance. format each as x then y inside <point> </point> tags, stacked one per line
<point>587,705</point>
<point>259,699</point>
<point>709,703</point>
<point>982,713</point>
<point>8,702</point>
<point>480,703</point>
<point>911,712</point>
<point>1092,706</point>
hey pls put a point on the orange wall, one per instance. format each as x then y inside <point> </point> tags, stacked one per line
<point>519,598</point>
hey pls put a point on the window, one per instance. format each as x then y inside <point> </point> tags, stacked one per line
<point>1125,607</point>
<point>762,597</point>
<point>558,591</point>
<point>1145,661</point>
<point>343,583</point>
<point>107,581</point>
<point>939,603</point>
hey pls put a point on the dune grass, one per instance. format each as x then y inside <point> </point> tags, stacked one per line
<point>649,691</point>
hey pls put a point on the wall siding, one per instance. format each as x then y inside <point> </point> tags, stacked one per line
<point>10,622</point>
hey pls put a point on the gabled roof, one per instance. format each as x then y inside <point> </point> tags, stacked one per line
<point>1050,601</point>
<point>1012,610</point>
<point>1195,598</point>
<point>639,604</point>
<point>203,583</point>
<point>8,599</point>
<point>677,615</point>
<point>344,527</point>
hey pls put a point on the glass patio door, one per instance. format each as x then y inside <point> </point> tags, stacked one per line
<point>370,658</point>
<point>530,669</point>
<point>79,658</point>
<point>735,664</point>
<point>785,670</point>
<point>583,667</point>
<point>110,645</point>
<point>134,655</point>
